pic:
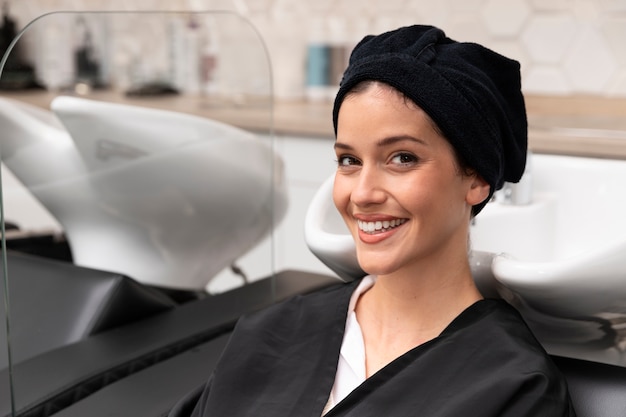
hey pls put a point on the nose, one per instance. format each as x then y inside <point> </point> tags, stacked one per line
<point>368,187</point>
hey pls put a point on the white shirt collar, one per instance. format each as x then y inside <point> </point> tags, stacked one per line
<point>351,366</point>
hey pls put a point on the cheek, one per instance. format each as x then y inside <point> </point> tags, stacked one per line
<point>436,195</point>
<point>340,194</point>
<point>341,198</point>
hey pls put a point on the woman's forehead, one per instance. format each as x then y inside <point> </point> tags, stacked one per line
<point>384,111</point>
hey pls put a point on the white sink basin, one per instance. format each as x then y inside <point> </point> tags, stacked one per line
<point>327,235</point>
<point>561,260</point>
<point>578,205</point>
<point>166,198</point>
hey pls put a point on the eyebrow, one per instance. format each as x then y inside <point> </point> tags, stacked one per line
<point>385,141</point>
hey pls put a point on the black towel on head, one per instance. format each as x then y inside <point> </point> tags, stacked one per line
<point>472,93</point>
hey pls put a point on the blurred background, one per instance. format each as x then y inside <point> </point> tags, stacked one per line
<point>565,46</point>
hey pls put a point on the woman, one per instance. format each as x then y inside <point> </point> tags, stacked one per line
<point>427,129</point>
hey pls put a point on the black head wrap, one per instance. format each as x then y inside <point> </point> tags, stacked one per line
<point>472,93</point>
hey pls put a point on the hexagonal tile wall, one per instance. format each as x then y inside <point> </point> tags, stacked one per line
<point>548,37</point>
<point>589,64</point>
<point>505,17</point>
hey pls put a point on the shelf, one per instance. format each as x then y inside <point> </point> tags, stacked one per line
<point>570,125</point>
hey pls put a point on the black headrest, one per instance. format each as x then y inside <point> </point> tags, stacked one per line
<point>54,303</point>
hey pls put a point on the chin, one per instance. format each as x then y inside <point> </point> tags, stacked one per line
<point>372,267</point>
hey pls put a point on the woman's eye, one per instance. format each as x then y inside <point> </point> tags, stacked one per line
<point>346,160</point>
<point>404,158</point>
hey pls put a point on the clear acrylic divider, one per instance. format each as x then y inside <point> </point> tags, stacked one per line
<point>139,180</point>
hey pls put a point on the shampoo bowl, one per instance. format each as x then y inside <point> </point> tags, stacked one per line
<point>166,198</point>
<point>327,235</point>
<point>562,259</point>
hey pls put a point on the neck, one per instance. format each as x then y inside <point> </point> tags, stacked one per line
<point>421,296</point>
<point>407,308</point>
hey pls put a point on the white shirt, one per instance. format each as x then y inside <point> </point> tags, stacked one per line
<point>351,366</point>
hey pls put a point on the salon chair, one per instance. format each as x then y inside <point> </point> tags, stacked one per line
<point>142,367</point>
<point>54,303</point>
<point>597,390</point>
<point>136,354</point>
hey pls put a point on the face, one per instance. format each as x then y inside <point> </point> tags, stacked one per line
<point>398,186</point>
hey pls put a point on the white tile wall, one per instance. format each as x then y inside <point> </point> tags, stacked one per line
<point>547,80</point>
<point>565,46</point>
<point>505,17</point>
<point>590,64</point>
<point>548,38</point>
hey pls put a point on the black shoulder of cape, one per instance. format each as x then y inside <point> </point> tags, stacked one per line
<point>282,361</point>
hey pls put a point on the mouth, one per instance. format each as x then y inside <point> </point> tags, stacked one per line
<point>379,226</point>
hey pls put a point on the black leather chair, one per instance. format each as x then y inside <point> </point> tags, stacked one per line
<point>171,353</point>
<point>54,303</point>
<point>597,389</point>
<point>143,367</point>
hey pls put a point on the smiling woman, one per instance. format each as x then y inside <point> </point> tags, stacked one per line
<point>427,129</point>
<point>394,166</point>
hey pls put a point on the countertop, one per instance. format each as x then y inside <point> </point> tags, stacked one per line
<point>570,125</point>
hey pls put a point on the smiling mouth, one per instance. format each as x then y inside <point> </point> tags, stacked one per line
<point>379,226</point>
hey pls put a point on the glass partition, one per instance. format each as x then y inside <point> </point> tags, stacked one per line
<point>6,392</point>
<point>139,192</point>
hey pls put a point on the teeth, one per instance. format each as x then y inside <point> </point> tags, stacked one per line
<point>371,227</point>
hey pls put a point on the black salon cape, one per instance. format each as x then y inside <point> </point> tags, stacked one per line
<point>281,362</point>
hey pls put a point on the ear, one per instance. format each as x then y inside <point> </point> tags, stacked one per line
<point>478,190</point>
